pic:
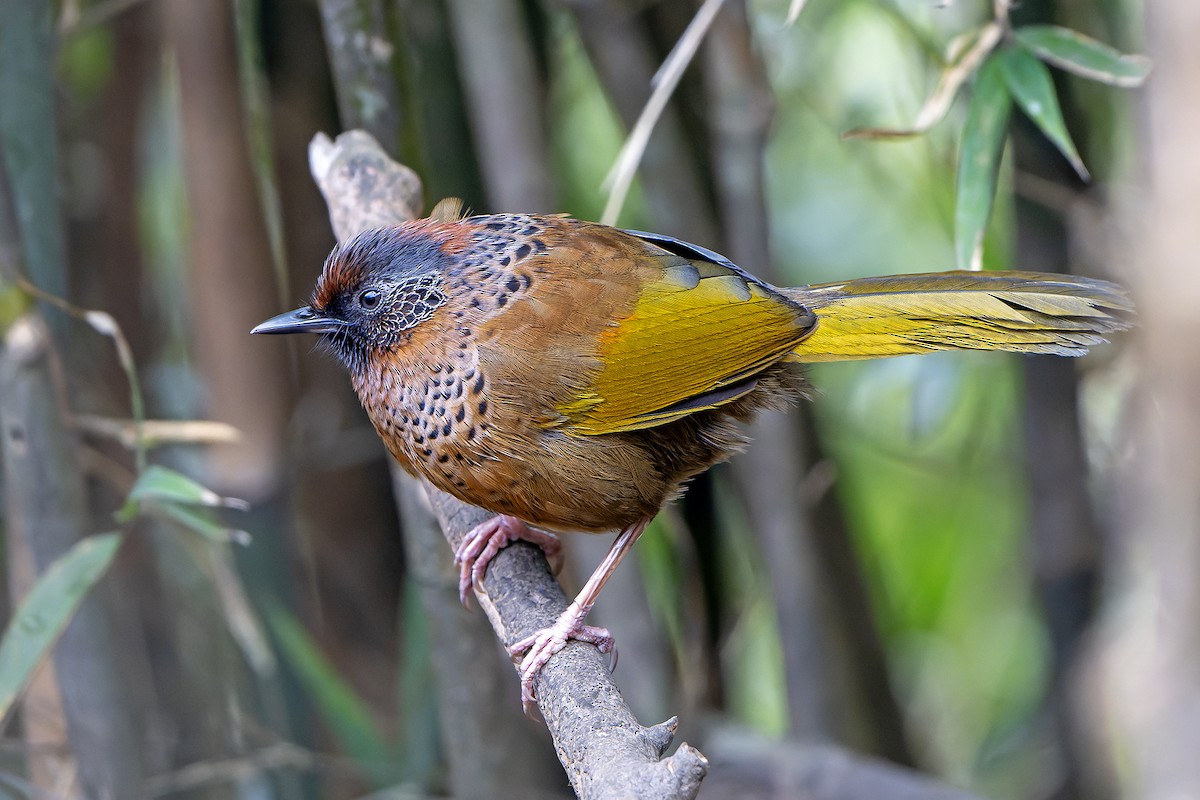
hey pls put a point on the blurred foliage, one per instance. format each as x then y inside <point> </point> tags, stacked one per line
<point>47,609</point>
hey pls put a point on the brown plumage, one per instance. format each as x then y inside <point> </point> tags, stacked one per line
<point>574,376</point>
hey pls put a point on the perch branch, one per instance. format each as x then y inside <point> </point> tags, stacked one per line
<point>603,748</point>
<point>489,750</point>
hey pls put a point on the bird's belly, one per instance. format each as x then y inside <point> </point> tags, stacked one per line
<point>551,480</point>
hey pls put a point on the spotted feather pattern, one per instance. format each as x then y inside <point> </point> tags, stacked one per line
<point>418,299</point>
<point>431,405</point>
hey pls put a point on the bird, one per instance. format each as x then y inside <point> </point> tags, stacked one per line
<point>572,376</point>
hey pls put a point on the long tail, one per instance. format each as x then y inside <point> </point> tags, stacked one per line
<point>1024,312</point>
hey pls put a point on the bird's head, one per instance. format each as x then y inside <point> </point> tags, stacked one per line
<point>373,291</point>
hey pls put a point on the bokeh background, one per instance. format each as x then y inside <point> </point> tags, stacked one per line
<point>979,566</point>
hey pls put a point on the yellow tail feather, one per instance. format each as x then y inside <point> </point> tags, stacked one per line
<point>1024,312</point>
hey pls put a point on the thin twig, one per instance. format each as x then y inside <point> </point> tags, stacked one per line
<point>154,432</point>
<point>104,323</point>
<point>281,755</point>
<point>956,73</point>
<point>620,177</point>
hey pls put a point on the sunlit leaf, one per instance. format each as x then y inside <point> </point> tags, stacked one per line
<point>979,161</point>
<point>1031,86</point>
<point>342,709</point>
<point>1082,55</point>
<point>13,305</point>
<point>47,609</point>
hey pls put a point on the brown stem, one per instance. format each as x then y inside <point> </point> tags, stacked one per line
<point>1064,538</point>
<point>769,474</point>
<point>227,234</point>
<point>230,289</point>
<point>624,57</point>
<point>46,514</point>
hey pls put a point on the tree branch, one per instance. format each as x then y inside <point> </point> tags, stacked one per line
<point>603,748</point>
<point>492,752</point>
<point>749,768</point>
<point>361,60</point>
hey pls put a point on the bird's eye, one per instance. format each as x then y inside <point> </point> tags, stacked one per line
<point>370,298</point>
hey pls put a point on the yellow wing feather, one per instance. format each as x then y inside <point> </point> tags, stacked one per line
<point>692,330</point>
<point>693,335</point>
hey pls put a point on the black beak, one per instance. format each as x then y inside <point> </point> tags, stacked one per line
<point>302,320</point>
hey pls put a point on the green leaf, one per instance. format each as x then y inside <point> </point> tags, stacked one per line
<point>345,712</point>
<point>13,304</point>
<point>45,612</point>
<point>1030,84</point>
<point>979,161</point>
<point>166,487</point>
<point>1084,56</point>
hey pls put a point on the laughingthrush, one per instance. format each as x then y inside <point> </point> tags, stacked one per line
<point>573,377</point>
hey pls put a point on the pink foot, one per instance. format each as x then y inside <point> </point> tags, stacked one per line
<point>541,646</point>
<point>485,540</point>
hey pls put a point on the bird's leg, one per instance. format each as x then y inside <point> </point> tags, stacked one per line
<point>540,646</point>
<point>484,541</point>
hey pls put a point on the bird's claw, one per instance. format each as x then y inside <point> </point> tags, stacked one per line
<point>539,647</point>
<point>483,542</point>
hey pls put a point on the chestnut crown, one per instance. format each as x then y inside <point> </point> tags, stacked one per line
<point>373,290</point>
